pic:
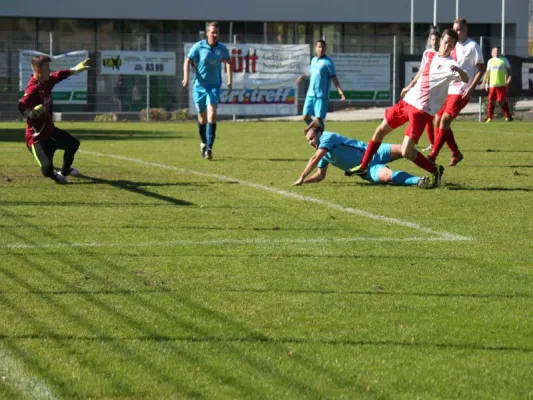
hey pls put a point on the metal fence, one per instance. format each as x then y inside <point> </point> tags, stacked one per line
<point>127,94</point>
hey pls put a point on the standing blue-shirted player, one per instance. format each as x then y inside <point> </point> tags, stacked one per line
<point>322,72</point>
<point>206,57</point>
<point>341,152</point>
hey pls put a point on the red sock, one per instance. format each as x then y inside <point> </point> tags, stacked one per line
<point>452,144</point>
<point>505,108</point>
<point>424,163</point>
<point>430,131</point>
<point>369,153</point>
<point>490,110</point>
<point>440,139</point>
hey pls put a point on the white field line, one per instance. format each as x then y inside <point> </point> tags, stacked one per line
<point>219,242</point>
<point>12,373</point>
<point>285,193</point>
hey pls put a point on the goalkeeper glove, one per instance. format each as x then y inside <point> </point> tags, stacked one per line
<point>35,113</point>
<point>83,66</point>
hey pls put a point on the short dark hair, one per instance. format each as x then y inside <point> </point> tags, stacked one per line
<point>461,21</point>
<point>214,24</point>
<point>315,124</point>
<point>451,33</point>
<point>497,48</point>
<point>38,61</point>
<point>322,42</point>
<point>435,33</point>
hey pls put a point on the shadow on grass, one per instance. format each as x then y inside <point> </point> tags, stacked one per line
<point>271,340</point>
<point>455,186</point>
<point>17,135</point>
<point>138,188</point>
<point>383,293</point>
<point>267,159</point>
<point>138,355</point>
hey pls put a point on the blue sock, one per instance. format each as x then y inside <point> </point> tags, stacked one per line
<point>201,130</point>
<point>211,135</point>
<point>308,120</point>
<point>322,124</point>
<point>402,178</point>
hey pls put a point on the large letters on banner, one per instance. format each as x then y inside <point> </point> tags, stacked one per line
<point>70,91</point>
<point>264,79</point>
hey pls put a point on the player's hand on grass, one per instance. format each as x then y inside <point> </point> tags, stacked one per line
<point>299,182</point>
<point>83,66</point>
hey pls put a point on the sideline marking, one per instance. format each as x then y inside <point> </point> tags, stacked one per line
<point>285,193</point>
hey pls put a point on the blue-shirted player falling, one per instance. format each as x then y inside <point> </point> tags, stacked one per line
<point>341,152</point>
<point>206,57</point>
<point>322,72</point>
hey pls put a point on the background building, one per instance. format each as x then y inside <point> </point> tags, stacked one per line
<point>348,26</point>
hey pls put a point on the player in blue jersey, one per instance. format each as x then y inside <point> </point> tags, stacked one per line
<point>341,152</point>
<point>322,72</point>
<point>206,57</point>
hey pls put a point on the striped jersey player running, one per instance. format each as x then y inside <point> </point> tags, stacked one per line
<point>468,55</point>
<point>421,100</point>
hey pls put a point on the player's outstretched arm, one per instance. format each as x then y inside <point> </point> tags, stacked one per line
<point>318,176</point>
<point>83,66</point>
<point>311,165</point>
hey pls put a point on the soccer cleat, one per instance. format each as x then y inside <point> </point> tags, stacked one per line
<point>203,147</point>
<point>72,172</point>
<point>424,183</point>
<point>428,148</point>
<point>60,178</point>
<point>209,154</point>
<point>456,159</point>
<point>488,120</point>
<point>355,171</point>
<point>510,119</point>
<point>437,176</point>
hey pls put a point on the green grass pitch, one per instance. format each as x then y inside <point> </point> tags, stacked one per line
<point>162,275</point>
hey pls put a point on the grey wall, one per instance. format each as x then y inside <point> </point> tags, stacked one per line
<point>386,11</point>
<point>477,11</point>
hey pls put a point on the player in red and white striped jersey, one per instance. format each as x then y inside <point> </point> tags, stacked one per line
<point>421,100</point>
<point>468,55</point>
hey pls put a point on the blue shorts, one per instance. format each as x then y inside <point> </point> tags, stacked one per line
<point>381,158</point>
<point>316,107</point>
<point>204,96</point>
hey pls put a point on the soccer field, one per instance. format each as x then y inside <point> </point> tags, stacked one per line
<point>162,275</point>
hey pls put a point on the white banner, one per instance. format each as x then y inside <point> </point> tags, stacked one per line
<point>363,76</point>
<point>264,79</point>
<point>155,63</point>
<point>72,90</point>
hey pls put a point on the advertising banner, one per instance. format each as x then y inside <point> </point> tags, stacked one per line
<point>264,79</point>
